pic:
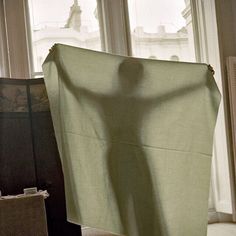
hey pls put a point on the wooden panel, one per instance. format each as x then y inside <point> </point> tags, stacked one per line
<point>4,67</point>
<point>16,154</point>
<point>231,69</point>
<point>17,38</point>
<point>226,15</point>
<point>28,150</point>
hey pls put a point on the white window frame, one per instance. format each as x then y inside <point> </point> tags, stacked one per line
<point>115,30</point>
<point>208,51</point>
<point>115,37</point>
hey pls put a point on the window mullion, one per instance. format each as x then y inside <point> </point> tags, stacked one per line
<point>17,40</point>
<point>114,25</point>
<point>208,51</point>
<point>4,63</point>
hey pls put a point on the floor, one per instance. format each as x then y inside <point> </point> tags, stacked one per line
<point>222,229</point>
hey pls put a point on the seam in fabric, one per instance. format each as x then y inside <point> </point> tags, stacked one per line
<point>133,144</point>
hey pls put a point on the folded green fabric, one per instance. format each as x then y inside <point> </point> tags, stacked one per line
<point>135,139</point>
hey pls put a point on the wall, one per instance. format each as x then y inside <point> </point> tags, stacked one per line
<point>226,22</point>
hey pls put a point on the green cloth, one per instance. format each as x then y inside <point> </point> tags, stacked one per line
<point>135,139</point>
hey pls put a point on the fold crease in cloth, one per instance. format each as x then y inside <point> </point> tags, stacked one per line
<point>135,139</point>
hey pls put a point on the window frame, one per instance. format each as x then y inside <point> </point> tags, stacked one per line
<point>208,51</point>
<point>114,26</point>
<point>3,43</point>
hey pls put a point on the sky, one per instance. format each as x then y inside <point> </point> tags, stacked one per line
<point>151,13</point>
<point>146,13</point>
<point>56,12</point>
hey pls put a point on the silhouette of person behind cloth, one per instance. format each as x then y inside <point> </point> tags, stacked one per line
<point>126,159</point>
<point>123,113</point>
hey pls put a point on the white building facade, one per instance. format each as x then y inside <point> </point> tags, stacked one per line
<point>177,46</point>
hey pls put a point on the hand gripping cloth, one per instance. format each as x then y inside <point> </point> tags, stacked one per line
<point>135,139</point>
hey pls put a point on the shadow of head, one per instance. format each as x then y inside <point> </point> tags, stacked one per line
<point>130,74</point>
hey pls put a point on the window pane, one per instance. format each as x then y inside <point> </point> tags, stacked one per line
<point>162,29</point>
<point>66,21</point>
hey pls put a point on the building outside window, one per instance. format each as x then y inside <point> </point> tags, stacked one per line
<point>154,33</point>
<point>71,22</point>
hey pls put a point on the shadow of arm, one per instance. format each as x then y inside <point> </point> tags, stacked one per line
<point>173,94</point>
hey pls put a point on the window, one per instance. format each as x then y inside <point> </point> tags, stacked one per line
<point>3,54</point>
<point>70,22</point>
<point>162,28</point>
<point>165,28</point>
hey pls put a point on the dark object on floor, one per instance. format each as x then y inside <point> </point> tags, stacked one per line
<point>28,151</point>
<point>22,216</point>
